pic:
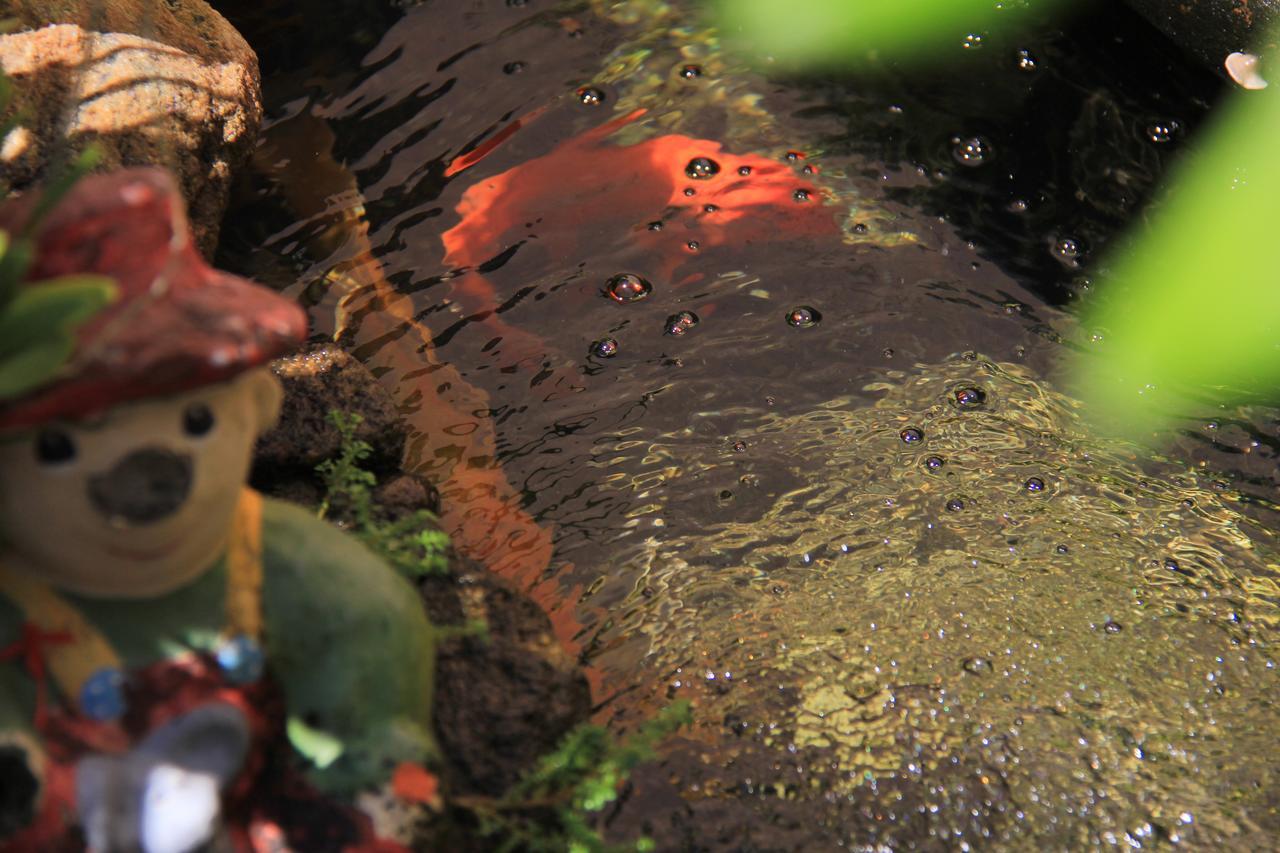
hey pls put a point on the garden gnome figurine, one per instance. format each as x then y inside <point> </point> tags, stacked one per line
<point>183,661</point>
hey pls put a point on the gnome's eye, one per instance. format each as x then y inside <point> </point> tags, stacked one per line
<point>197,419</point>
<point>54,447</point>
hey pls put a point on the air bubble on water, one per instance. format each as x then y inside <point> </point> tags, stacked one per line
<point>710,208</point>
<point>513,67</point>
<point>690,191</point>
<point>739,447</point>
<point>1026,61</point>
<point>860,228</point>
<point>627,287</point>
<point>679,323</point>
<point>590,96</point>
<point>808,170</point>
<point>792,156</point>
<point>655,225</point>
<point>693,245</point>
<point>972,41</point>
<point>955,505</point>
<point>800,195</point>
<point>1112,627</point>
<point>702,168</point>
<point>976,666</point>
<point>1018,205</point>
<point>1034,484</point>
<point>969,397</point>
<point>1062,549</point>
<point>971,152</point>
<point>933,463</point>
<point>744,170</point>
<point>605,347</point>
<point>1161,132</point>
<point>691,72</point>
<point>1067,251</point>
<point>804,317</point>
<point>911,435</point>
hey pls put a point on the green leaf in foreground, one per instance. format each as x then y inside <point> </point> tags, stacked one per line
<point>823,33</point>
<point>1193,308</point>
<point>37,329</point>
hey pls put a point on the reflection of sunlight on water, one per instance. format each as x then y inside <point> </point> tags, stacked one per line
<point>1118,596</point>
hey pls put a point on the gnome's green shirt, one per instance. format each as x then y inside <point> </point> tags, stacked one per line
<point>346,638</point>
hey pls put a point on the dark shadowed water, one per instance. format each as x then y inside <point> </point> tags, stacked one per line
<point>771,364</point>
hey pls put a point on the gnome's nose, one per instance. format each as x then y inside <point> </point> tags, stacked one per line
<point>145,486</point>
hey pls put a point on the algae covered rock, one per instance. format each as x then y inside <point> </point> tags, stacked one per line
<point>955,620</point>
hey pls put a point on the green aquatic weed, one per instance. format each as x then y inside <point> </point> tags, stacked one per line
<point>554,807</point>
<point>414,544</point>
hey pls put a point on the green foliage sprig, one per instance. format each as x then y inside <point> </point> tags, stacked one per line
<point>555,806</point>
<point>415,545</point>
<point>38,320</point>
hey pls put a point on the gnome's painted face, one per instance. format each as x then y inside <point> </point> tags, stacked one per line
<point>138,501</point>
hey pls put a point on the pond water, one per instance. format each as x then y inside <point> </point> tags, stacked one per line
<point>753,383</point>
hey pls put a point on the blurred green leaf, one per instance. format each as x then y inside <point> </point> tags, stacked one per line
<point>37,328</point>
<point>15,257</point>
<point>823,33</point>
<point>1193,308</point>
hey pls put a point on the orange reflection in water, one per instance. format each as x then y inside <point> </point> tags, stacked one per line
<point>588,194</point>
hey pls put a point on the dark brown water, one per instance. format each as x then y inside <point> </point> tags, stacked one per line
<point>972,634</point>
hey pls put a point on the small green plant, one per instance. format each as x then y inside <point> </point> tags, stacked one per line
<point>555,806</point>
<point>37,324</point>
<point>415,545</point>
<point>38,320</point>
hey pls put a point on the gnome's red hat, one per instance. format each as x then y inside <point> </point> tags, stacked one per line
<point>177,324</point>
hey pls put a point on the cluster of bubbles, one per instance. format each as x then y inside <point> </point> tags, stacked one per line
<point>628,287</point>
<point>969,398</point>
<point>680,323</point>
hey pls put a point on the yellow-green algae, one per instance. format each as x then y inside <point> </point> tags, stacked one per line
<point>1085,664</point>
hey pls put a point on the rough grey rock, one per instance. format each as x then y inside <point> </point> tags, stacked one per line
<point>157,83</point>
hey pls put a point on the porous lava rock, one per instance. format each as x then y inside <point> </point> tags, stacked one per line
<point>151,83</point>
